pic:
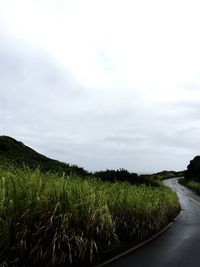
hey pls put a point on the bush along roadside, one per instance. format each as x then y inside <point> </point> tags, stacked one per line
<point>50,220</point>
<point>193,185</point>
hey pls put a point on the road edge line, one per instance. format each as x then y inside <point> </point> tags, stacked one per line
<point>139,245</point>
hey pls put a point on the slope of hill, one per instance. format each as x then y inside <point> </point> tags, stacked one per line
<point>15,152</point>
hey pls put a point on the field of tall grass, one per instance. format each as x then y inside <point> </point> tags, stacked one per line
<point>48,220</point>
<point>195,186</point>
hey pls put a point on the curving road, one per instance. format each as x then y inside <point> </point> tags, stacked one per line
<point>179,245</point>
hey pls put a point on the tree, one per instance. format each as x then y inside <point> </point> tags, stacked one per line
<point>193,169</point>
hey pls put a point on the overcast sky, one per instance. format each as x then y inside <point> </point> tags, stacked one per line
<point>102,83</point>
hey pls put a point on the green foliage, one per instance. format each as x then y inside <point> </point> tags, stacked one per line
<point>50,216</point>
<point>193,169</point>
<point>16,153</point>
<point>120,175</point>
<point>164,175</point>
<point>48,219</point>
<point>13,152</point>
<point>195,186</point>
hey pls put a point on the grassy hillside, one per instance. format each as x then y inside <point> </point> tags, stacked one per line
<point>13,152</point>
<point>18,154</point>
<point>49,217</point>
<point>46,220</point>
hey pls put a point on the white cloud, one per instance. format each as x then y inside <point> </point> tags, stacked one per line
<point>110,77</point>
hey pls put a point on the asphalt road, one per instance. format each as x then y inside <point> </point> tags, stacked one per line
<point>179,245</point>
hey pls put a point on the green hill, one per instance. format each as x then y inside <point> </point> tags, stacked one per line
<point>16,153</point>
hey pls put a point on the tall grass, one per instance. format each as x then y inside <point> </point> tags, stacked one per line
<point>47,220</point>
<point>193,185</point>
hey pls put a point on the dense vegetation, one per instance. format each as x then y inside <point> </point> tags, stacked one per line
<point>193,170</point>
<point>192,175</point>
<point>16,153</point>
<point>163,175</point>
<point>13,152</point>
<point>122,175</point>
<point>47,219</point>
<point>53,213</point>
<point>194,185</point>
<point>117,175</point>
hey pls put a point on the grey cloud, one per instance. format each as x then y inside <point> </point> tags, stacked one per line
<point>42,105</point>
<point>106,62</point>
<point>191,86</point>
<point>32,86</point>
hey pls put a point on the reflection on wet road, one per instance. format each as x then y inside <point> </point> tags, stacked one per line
<point>178,246</point>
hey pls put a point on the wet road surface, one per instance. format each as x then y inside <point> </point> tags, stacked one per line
<point>179,245</point>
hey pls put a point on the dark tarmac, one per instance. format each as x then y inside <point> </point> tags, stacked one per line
<point>179,245</point>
